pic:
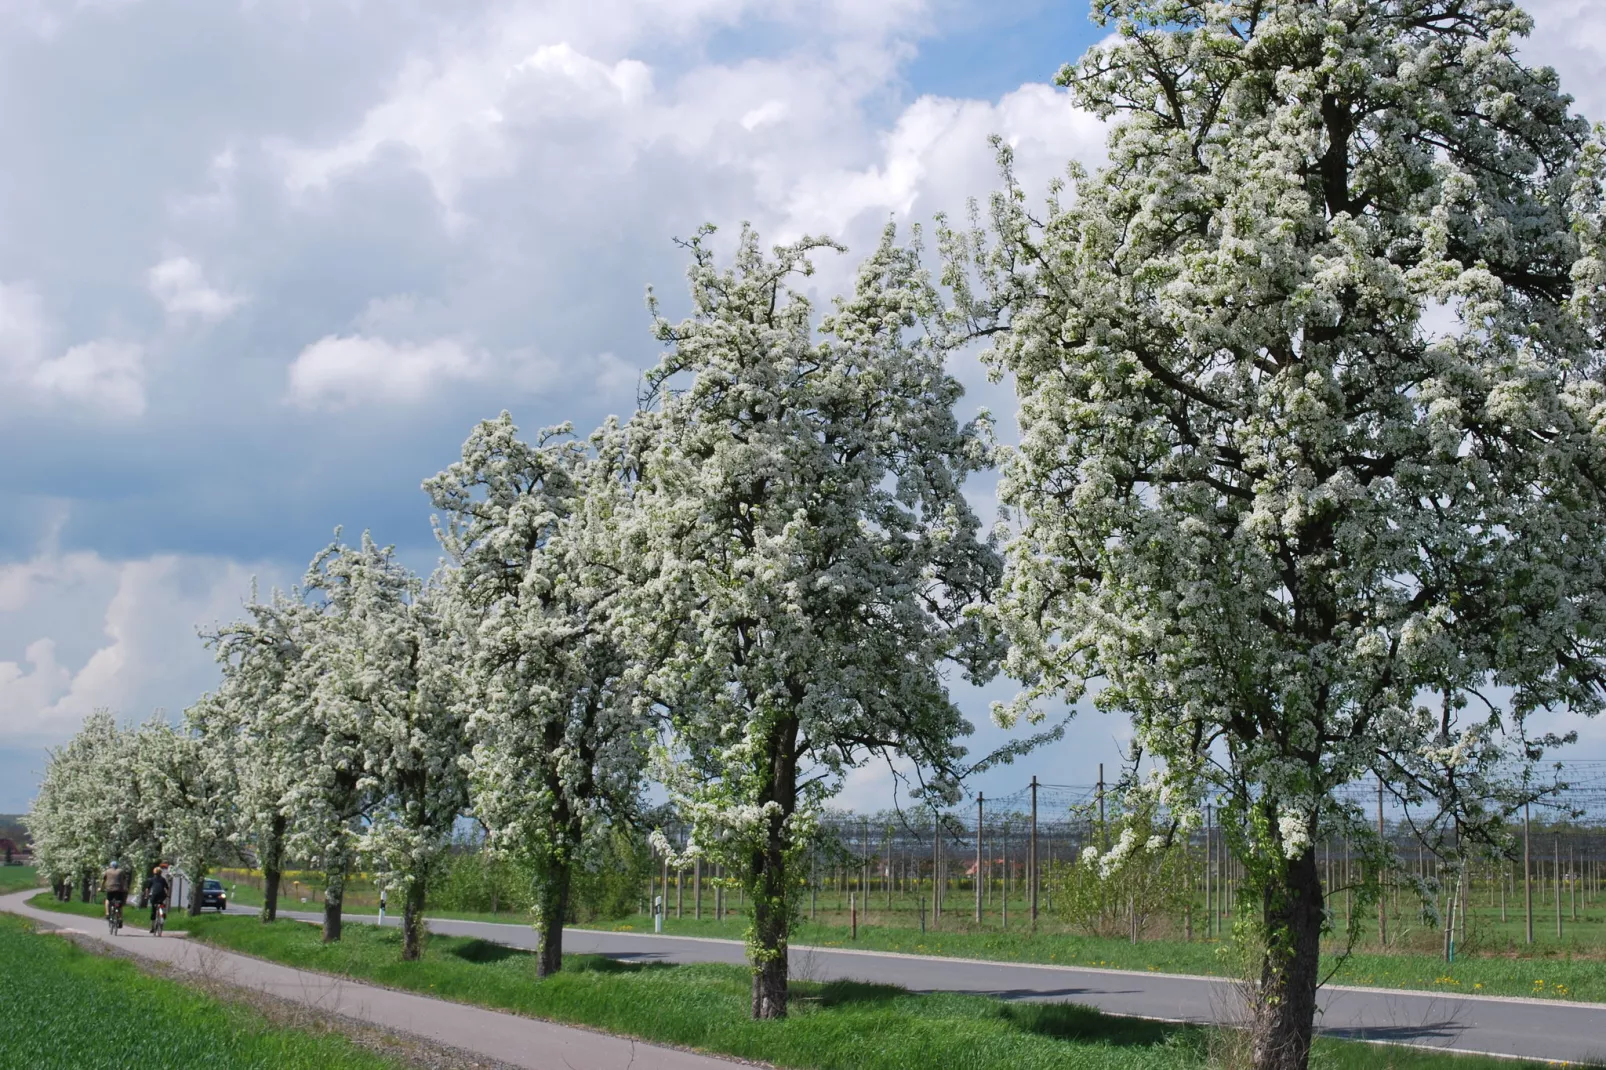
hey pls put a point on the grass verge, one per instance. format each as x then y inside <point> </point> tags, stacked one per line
<point>834,1025</point>
<point>67,1009</point>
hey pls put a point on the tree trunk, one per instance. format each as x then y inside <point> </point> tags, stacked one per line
<point>272,868</point>
<point>84,895</point>
<point>552,910</point>
<point>197,890</point>
<point>413,921</point>
<point>333,894</point>
<point>772,892</point>
<point>1285,1006</point>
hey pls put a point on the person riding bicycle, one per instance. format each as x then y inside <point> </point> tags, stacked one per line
<point>156,889</point>
<point>114,882</point>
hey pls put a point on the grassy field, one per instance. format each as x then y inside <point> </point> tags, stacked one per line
<point>834,1025</point>
<point>67,1009</point>
<point>18,878</point>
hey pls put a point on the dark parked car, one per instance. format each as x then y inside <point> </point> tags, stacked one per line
<point>212,895</point>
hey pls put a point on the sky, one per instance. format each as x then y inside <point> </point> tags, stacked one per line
<point>264,263</point>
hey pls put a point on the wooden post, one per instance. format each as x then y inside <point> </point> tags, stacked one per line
<point>864,879</point>
<point>1527,873</point>
<point>936,870</point>
<point>1210,861</point>
<point>1382,853</point>
<point>1572,878</point>
<point>1557,840</point>
<point>980,824</point>
<point>1031,888</point>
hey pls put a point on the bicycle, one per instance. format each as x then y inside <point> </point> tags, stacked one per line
<point>114,917</point>
<point>159,919</point>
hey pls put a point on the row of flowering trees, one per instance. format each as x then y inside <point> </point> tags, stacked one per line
<point>1311,479</point>
<point>745,589</point>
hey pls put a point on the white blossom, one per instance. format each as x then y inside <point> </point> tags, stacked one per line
<point>1257,497</point>
<point>808,557</point>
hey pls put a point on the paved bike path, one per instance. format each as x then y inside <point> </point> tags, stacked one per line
<point>508,1038</point>
<point>1548,1030</point>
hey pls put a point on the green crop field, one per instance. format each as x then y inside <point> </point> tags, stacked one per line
<point>18,878</point>
<point>67,1009</point>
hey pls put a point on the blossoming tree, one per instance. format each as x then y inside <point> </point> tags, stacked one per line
<point>1311,424</point>
<point>401,663</point>
<point>558,744</point>
<point>261,710</point>
<point>809,556</point>
<point>187,791</point>
<point>335,794</point>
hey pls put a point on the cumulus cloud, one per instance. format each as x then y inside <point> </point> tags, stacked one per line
<point>103,376</point>
<point>79,632</point>
<point>339,371</point>
<point>179,284</point>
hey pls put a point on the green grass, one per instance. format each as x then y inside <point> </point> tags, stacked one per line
<point>66,1009</point>
<point>18,878</point>
<point>834,1026</point>
<point>1566,974</point>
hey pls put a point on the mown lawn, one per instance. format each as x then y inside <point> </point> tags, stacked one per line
<point>67,1009</point>
<point>834,1026</point>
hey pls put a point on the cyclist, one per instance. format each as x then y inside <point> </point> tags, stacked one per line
<point>156,889</point>
<point>114,882</point>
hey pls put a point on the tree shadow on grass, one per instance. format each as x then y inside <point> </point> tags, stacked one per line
<point>483,951</point>
<point>606,964</point>
<point>846,993</point>
<point>1068,1021</point>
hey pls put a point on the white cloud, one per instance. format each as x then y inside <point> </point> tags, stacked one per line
<point>937,156</point>
<point>1570,35</point>
<point>24,334</point>
<point>180,285</point>
<point>340,371</point>
<point>104,376</point>
<point>144,612</point>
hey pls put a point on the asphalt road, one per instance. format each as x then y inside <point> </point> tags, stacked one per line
<point>1538,1029</point>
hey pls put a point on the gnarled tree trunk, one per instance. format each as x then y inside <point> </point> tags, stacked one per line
<point>272,868</point>
<point>197,890</point>
<point>1285,1005</point>
<point>334,893</point>
<point>552,905</point>
<point>772,893</point>
<point>413,920</point>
